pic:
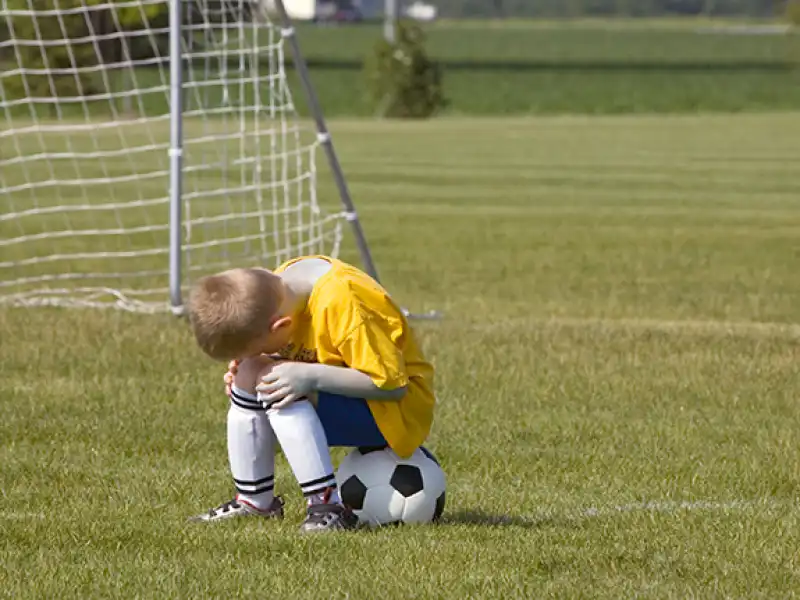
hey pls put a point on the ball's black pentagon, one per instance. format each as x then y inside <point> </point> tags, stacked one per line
<point>407,479</point>
<point>353,493</point>
<point>439,507</point>
<point>370,449</point>
<point>429,454</point>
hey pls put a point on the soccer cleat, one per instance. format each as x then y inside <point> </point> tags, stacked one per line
<point>235,508</point>
<point>327,517</point>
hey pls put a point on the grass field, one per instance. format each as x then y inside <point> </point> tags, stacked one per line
<point>618,372</point>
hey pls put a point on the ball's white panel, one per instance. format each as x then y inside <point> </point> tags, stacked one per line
<point>417,458</point>
<point>432,476</point>
<point>419,508</point>
<point>383,506</point>
<point>347,467</point>
<point>375,468</point>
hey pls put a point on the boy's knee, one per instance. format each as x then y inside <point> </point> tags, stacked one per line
<point>250,372</point>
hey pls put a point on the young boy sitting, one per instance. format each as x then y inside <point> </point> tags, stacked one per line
<point>322,347</point>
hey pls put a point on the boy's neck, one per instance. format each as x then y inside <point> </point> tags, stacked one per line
<point>299,292</point>
<point>300,279</point>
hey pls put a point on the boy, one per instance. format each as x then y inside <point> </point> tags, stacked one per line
<point>322,347</point>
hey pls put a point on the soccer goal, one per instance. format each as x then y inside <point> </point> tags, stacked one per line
<point>147,142</point>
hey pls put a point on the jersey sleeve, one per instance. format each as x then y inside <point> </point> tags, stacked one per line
<point>372,347</point>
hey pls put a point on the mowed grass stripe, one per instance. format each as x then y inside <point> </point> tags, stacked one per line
<point>755,329</point>
<point>542,200</point>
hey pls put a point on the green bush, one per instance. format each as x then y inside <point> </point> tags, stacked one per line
<point>793,12</point>
<point>56,53</point>
<point>403,81</point>
<point>61,69</point>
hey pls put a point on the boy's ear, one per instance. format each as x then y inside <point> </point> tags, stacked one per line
<point>280,323</point>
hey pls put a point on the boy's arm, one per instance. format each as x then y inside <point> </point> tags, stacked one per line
<point>289,381</point>
<point>351,382</point>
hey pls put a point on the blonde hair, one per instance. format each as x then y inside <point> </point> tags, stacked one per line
<point>230,310</point>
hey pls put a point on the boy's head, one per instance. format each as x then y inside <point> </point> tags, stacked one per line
<point>240,313</point>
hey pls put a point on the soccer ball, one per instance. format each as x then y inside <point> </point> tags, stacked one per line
<point>381,488</point>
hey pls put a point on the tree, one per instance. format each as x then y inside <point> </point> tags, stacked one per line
<point>792,12</point>
<point>498,8</point>
<point>403,80</point>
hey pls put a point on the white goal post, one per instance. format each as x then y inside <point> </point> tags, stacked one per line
<point>147,142</point>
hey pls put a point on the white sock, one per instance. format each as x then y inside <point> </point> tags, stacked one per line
<point>251,450</point>
<point>299,432</point>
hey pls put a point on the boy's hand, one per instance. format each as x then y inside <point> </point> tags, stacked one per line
<point>286,382</point>
<point>233,367</point>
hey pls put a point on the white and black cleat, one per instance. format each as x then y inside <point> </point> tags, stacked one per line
<point>236,508</point>
<point>329,517</point>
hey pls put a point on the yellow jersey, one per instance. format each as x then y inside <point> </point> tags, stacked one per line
<point>350,321</point>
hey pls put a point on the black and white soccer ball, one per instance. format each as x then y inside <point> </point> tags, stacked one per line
<point>381,488</point>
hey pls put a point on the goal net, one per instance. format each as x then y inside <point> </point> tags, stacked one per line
<point>88,149</point>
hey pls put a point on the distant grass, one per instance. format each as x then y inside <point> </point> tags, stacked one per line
<point>591,43</point>
<point>666,21</point>
<point>591,67</point>
<point>621,329</point>
<point>578,69</point>
<point>575,69</point>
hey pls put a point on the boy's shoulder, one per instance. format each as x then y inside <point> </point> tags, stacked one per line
<point>346,286</point>
<point>346,296</point>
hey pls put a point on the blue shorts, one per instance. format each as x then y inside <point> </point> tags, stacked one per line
<point>348,421</point>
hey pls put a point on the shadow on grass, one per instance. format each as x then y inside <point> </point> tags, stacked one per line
<point>477,518</point>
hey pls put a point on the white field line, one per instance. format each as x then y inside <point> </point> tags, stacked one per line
<point>740,328</point>
<point>665,506</point>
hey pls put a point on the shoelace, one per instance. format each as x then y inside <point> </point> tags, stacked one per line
<point>224,508</point>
